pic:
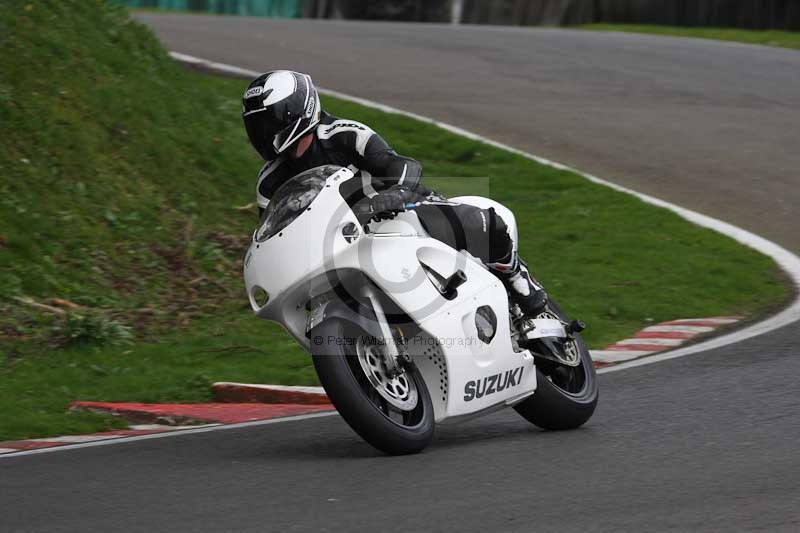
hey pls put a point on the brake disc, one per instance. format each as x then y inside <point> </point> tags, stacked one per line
<point>400,391</point>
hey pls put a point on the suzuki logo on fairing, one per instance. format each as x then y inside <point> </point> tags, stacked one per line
<point>406,274</point>
<point>491,384</point>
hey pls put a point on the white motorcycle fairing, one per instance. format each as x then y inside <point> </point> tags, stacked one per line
<point>290,279</point>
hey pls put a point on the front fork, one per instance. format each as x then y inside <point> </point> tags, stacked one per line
<point>395,355</point>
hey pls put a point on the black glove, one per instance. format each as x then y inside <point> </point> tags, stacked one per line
<point>394,198</point>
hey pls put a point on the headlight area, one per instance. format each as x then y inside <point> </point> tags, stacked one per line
<point>259,297</point>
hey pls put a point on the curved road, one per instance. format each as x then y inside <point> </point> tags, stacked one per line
<point>706,442</point>
<point>708,125</point>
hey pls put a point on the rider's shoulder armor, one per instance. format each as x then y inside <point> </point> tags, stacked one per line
<point>338,134</point>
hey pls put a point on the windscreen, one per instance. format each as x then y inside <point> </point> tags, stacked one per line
<point>292,199</point>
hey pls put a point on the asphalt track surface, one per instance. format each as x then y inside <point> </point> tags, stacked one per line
<point>707,442</point>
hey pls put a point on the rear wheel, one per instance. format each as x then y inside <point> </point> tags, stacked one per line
<point>394,414</point>
<point>565,396</point>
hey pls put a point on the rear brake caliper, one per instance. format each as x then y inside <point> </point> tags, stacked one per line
<point>560,350</point>
<point>576,326</point>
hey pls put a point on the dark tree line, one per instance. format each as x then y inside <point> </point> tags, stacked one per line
<point>408,10</point>
<point>751,14</point>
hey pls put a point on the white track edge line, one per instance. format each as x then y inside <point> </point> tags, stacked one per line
<point>166,434</point>
<point>270,387</point>
<point>789,262</point>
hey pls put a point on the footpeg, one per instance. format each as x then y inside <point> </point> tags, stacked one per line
<point>576,326</point>
<point>452,283</point>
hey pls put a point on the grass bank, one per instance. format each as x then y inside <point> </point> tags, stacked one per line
<point>124,181</point>
<point>783,39</point>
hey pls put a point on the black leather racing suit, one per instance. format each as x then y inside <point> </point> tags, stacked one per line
<point>350,144</point>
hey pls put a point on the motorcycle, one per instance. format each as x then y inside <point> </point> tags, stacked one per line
<point>406,332</point>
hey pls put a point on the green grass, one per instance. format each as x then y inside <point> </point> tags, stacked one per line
<point>784,39</point>
<point>120,178</point>
<point>178,367</point>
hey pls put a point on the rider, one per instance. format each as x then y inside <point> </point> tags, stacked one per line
<point>287,126</point>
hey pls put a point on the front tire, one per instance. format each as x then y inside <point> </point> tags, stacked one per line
<point>402,424</point>
<point>565,397</point>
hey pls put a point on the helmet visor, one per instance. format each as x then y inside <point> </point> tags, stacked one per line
<point>262,126</point>
<point>285,138</point>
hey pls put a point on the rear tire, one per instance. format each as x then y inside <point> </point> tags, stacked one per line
<point>377,421</point>
<point>565,397</point>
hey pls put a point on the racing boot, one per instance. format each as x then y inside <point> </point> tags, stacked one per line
<point>522,288</point>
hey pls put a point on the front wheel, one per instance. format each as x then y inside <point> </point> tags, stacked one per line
<point>394,414</point>
<point>565,397</point>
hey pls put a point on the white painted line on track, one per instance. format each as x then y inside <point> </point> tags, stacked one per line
<point>288,388</point>
<point>705,321</point>
<point>162,427</point>
<point>166,434</point>
<point>615,356</point>
<point>788,261</point>
<point>651,342</point>
<point>678,329</point>
<point>76,439</point>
